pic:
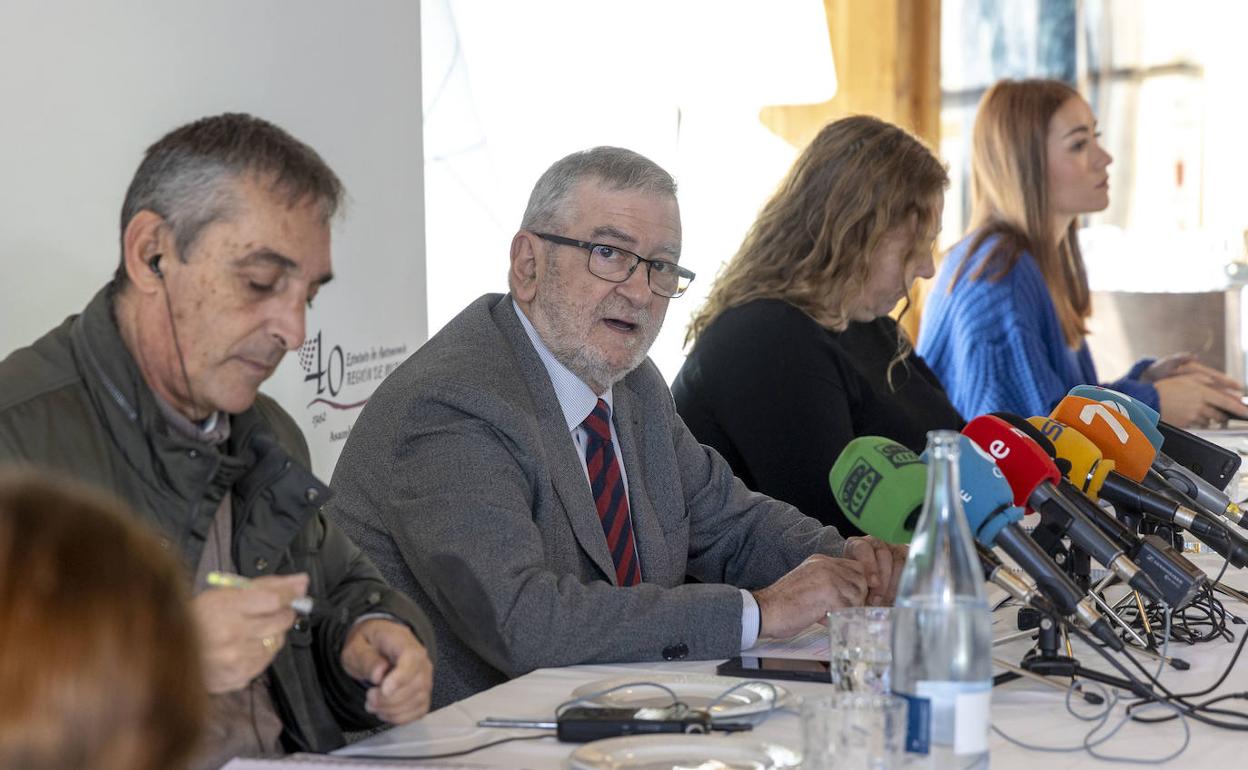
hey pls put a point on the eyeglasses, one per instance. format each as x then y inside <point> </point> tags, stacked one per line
<point>611,263</point>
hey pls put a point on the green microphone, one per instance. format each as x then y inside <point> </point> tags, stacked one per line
<point>880,484</point>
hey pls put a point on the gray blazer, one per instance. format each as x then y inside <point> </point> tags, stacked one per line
<point>461,481</point>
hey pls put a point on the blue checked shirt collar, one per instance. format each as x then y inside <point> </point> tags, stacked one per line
<point>576,399</point>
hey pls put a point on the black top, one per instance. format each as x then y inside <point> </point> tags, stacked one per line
<point>779,396</point>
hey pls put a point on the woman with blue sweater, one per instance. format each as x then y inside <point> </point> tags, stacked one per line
<point>1005,323</point>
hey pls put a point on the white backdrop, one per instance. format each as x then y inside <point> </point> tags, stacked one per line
<point>87,85</point>
<point>511,87</point>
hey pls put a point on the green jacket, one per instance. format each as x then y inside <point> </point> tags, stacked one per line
<point>74,402</point>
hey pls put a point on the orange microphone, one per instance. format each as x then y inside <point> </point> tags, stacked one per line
<point>1111,431</point>
<point>1133,454</point>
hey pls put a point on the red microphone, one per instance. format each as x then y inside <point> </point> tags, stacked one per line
<point>1035,479</point>
<point>1025,465</point>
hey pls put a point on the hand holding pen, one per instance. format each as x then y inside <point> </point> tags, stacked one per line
<point>242,628</point>
<point>303,605</point>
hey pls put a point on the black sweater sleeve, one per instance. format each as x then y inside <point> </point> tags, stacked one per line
<point>779,396</point>
<point>764,388</point>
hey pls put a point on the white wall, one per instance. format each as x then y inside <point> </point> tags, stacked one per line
<point>87,85</point>
<point>514,86</point>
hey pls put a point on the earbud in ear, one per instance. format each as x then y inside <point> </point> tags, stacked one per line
<point>154,264</point>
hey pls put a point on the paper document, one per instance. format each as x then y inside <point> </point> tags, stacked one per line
<point>813,643</point>
<point>323,762</point>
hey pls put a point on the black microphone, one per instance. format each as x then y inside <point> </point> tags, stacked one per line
<point>1177,579</point>
<point>1210,497</point>
<point>1181,510</point>
<point>153,264</point>
<point>1001,576</point>
<point>1033,476</point>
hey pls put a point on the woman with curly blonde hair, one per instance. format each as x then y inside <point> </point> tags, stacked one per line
<point>794,353</point>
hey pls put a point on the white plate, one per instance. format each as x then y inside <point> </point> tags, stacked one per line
<point>695,690</point>
<point>682,752</point>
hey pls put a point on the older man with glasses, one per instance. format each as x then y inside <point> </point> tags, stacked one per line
<point>525,478</point>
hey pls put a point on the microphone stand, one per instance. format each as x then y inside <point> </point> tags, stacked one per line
<point>1078,564</point>
<point>1223,588</point>
<point>1074,560</point>
<point>1124,625</point>
<point>1046,660</point>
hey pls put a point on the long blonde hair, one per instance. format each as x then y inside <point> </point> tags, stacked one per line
<point>1010,196</point>
<point>813,241</point>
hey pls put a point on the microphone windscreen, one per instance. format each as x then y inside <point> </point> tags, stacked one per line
<point>1029,430</point>
<point>1144,416</point>
<point>1117,437</point>
<point>1088,467</point>
<point>987,497</point>
<point>1033,433</point>
<point>1023,462</point>
<point>879,484</point>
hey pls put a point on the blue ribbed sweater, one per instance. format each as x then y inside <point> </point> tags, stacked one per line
<point>999,346</point>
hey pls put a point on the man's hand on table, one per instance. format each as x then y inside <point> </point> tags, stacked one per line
<point>882,562</point>
<point>867,573</point>
<point>387,654</point>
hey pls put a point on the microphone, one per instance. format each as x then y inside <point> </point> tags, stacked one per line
<point>1207,495</point>
<point>1186,481</point>
<point>1117,437</point>
<point>993,517</point>
<point>888,496</point>
<point>1141,414</point>
<point>1034,478</point>
<point>880,485</point>
<point>999,575</point>
<point>1121,441</point>
<point>1178,579</point>
<point>153,264</point>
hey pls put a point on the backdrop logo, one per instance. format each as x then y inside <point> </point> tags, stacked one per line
<point>329,371</point>
<point>344,379</point>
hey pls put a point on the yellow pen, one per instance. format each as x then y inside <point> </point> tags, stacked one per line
<point>302,605</point>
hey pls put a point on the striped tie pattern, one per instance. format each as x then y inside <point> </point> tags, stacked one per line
<point>609,497</point>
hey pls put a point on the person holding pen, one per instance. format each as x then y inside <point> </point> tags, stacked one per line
<point>152,394</point>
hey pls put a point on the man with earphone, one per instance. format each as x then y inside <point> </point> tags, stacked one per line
<point>152,394</point>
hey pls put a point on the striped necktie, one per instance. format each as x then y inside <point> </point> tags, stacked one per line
<point>607,485</point>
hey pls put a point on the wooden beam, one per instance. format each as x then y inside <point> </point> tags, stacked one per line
<point>887,57</point>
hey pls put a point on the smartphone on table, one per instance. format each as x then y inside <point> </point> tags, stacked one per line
<point>796,669</point>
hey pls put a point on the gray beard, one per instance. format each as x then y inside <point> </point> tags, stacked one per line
<point>571,351</point>
<point>592,370</point>
<point>570,348</point>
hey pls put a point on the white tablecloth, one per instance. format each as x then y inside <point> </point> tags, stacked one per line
<point>1023,709</point>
